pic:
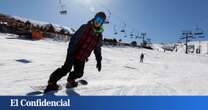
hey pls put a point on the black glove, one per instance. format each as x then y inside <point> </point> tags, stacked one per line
<point>99,66</point>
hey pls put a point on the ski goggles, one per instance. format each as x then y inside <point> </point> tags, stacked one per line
<point>99,20</point>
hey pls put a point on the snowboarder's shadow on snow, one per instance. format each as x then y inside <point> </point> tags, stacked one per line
<point>71,92</point>
<point>34,93</point>
<point>52,93</point>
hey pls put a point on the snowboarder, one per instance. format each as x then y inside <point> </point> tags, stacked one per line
<point>141,58</point>
<point>86,39</point>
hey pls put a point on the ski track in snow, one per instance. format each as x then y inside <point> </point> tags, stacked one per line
<point>122,74</point>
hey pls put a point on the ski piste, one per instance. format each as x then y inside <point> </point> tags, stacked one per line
<point>169,73</point>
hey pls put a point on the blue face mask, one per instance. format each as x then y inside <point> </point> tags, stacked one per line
<point>99,20</point>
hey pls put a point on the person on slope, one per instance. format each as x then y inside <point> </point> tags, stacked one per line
<point>86,39</point>
<point>142,58</point>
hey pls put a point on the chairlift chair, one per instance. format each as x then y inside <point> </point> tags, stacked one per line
<point>123,31</point>
<point>115,29</point>
<point>108,18</point>
<point>63,10</point>
<point>201,36</point>
<point>199,31</point>
<point>131,35</point>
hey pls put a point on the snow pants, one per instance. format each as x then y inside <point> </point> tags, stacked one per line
<point>141,60</point>
<point>66,68</point>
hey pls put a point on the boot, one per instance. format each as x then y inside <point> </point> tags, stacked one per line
<point>71,84</point>
<point>52,87</point>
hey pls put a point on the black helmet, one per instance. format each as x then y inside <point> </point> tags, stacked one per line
<point>101,14</point>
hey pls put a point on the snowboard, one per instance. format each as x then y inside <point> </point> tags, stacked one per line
<point>40,89</point>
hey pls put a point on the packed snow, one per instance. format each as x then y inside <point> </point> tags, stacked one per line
<point>25,63</point>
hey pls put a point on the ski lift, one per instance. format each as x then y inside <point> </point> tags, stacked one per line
<point>125,35</point>
<point>201,37</point>
<point>123,30</point>
<point>115,29</point>
<point>137,36</point>
<point>131,34</point>
<point>63,10</point>
<point>182,37</point>
<point>179,42</point>
<point>189,33</point>
<point>193,37</point>
<point>109,14</point>
<point>148,39</point>
<point>108,18</point>
<point>199,31</point>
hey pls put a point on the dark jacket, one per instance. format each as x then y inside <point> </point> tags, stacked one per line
<point>79,34</point>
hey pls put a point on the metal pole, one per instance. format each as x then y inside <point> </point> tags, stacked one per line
<point>186,43</point>
<point>207,48</point>
<point>199,47</point>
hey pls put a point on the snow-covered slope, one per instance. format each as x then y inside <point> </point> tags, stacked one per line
<point>181,48</point>
<point>122,74</point>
